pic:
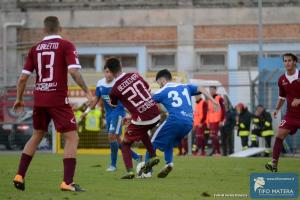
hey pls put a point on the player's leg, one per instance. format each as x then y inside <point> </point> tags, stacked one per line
<point>184,143</point>
<point>168,153</point>
<point>151,146</point>
<point>64,121</point>
<point>41,120</point>
<point>176,132</point>
<point>26,157</point>
<point>201,139</point>
<point>114,147</point>
<point>114,126</point>
<point>214,129</point>
<point>277,148</point>
<point>71,142</point>
<point>127,158</point>
<point>180,148</point>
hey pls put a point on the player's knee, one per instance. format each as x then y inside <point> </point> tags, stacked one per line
<point>38,135</point>
<point>112,137</point>
<point>282,133</point>
<point>125,142</point>
<point>71,136</point>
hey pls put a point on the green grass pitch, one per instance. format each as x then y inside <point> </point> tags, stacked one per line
<point>192,178</point>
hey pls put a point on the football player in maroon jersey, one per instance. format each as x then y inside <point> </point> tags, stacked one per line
<point>289,90</point>
<point>134,93</point>
<point>51,59</point>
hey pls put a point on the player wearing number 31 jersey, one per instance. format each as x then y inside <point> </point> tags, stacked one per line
<point>176,98</point>
<point>134,93</point>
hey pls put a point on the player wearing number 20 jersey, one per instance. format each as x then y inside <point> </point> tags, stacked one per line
<point>134,93</point>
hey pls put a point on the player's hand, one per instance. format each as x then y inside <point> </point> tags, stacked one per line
<point>221,124</point>
<point>89,97</point>
<point>18,106</point>
<point>295,102</point>
<point>81,118</point>
<point>111,105</point>
<point>275,113</point>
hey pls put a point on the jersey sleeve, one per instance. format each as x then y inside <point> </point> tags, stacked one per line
<point>282,93</point>
<point>29,64</point>
<point>157,97</point>
<point>113,97</point>
<point>193,90</point>
<point>98,92</point>
<point>71,56</point>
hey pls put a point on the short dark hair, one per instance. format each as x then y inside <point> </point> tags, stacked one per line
<point>51,24</point>
<point>294,57</point>
<point>165,74</point>
<point>113,64</point>
<point>213,86</point>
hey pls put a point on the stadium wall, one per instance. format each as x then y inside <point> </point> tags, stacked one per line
<point>184,32</point>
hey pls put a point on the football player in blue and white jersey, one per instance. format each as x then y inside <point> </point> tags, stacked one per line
<point>114,117</point>
<point>176,98</point>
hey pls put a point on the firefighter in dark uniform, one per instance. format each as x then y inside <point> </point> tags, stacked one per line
<point>266,129</point>
<point>256,128</point>
<point>243,122</point>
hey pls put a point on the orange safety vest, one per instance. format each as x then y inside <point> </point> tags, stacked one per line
<point>198,114</point>
<point>214,116</point>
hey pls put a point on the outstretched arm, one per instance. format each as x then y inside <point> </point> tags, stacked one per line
<point>206,93</point>
<point>80,82</point>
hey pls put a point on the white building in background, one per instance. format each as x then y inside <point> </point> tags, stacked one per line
<point>212,40</point>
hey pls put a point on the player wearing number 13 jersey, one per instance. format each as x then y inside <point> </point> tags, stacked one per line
<point>51,59</point>
<point>134,93</point>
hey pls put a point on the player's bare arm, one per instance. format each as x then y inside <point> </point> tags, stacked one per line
<point>89,108</point>
<point>81,83</point>
<point>19,104</point>
<point>206,93</point>
<point>279,104</point>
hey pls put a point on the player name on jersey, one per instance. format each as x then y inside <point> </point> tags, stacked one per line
<point>127,82</point>
<point>47,46</point>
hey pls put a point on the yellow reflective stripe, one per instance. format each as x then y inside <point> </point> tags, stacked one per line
<point>267,133</point>
<point>245,147</point>
<point>244,133</point>
<point>267,124</point>
<point>242,125</point>
<point>256,120</point>
<point>268,151</point>
<point>253,137</point>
